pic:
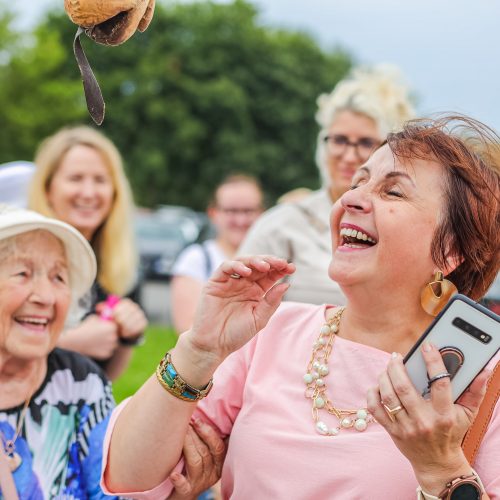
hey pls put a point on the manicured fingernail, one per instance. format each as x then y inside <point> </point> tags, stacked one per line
<point>394,355</point>
<point>427,347</point>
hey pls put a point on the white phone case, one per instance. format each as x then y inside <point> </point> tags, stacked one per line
<point>443,333</point>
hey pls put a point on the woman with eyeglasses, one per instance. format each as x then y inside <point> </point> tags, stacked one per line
<point>354,119</point>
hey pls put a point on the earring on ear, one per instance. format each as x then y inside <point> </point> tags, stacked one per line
<point>436,294</point>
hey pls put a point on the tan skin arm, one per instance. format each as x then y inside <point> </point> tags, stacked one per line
<point>119,362</point>
<point>93,337</point>
<point>155,423</point>
<point>185,293</point>
<point>99,339</point>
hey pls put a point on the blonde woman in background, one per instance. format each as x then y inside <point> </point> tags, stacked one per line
<point>354,118</point>
<point>80,180</point>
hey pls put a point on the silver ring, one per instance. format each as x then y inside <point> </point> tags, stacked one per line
<point>236,276</point>
<point>437,377</point>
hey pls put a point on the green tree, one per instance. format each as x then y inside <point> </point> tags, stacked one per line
<point>205,91</point>
<point>34,98</point>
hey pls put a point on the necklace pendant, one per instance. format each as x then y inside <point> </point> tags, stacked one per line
<point>14,460</point>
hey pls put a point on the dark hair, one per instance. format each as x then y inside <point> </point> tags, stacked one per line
<point>235,179</point>
<point>469,226</point>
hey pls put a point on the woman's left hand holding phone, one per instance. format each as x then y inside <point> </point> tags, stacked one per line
<point>429,433</point>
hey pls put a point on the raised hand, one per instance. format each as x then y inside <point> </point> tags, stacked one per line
<point>237,302</point>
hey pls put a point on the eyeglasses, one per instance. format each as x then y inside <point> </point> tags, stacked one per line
<point>248,212</point>
<point>337,145</point>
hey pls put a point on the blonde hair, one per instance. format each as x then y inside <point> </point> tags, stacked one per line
<point>378,92</point>
<point>113,242</point>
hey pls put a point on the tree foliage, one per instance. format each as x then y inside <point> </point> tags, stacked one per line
<point>205,91</point>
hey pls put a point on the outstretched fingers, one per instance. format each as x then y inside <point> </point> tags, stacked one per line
<point>265,270</point>
<point>278,269</point>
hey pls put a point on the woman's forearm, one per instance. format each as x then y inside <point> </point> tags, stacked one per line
<point>147,440</point>
<point>236,303</point>
<point>119,362</point>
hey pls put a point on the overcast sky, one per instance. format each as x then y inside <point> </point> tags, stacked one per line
<point>448,50</point>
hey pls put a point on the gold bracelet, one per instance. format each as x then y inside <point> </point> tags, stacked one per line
<point>173,383</point>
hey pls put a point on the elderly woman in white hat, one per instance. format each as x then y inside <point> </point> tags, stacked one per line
<point>54,404</point>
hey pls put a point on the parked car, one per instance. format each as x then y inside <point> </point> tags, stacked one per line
<point>162,234</point>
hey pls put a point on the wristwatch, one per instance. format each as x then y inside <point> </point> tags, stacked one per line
<point>467,487</point>
<point>132,341</point>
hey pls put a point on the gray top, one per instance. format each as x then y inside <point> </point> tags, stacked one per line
<point>300,233</point>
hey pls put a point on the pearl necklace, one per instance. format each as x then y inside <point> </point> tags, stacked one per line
<point>316,386</point>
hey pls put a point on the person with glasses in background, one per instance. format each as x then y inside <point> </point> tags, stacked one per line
<point>236,204</point>
<point>354,118</point>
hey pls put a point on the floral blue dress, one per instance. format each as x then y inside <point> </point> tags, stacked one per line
<point>61,438</point>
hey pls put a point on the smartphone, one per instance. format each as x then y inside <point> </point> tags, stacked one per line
<point>467,335</point>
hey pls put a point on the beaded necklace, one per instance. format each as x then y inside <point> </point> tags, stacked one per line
<point>316,386</point>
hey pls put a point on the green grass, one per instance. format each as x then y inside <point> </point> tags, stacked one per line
<point>159,339</point>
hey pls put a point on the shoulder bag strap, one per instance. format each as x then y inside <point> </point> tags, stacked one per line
<point>208,261</point>
<point>312,218</point>
<point>476,431</point>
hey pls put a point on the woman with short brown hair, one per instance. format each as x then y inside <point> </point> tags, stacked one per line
<point>360,429</point>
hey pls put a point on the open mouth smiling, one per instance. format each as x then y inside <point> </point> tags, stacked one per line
<point>355,237</point>
<point>33,323</point>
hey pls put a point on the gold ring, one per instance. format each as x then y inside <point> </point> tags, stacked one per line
<point>392,412</point>
<point>236,276</point>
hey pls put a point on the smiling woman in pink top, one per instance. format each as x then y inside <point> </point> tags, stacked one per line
<point>318,403</point>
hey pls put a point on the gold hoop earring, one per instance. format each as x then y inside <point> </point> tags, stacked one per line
<point>436,294</point>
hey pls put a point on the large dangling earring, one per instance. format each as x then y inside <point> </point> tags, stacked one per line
<point>436,294</point>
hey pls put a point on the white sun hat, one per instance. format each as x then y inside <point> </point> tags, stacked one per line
<point>82,265</point>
